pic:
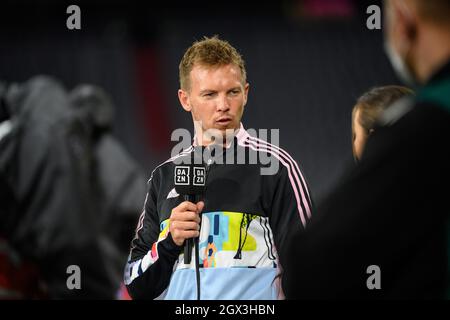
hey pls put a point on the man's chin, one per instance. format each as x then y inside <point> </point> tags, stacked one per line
<point>221,132</point>
<point>227,130</point>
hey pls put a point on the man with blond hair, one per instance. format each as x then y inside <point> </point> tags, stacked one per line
<point>242,219</point>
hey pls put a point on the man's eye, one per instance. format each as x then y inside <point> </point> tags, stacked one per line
<point>234,92</point>
<point>208,94</point>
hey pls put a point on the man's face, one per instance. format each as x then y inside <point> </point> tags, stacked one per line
<point>216,98</point>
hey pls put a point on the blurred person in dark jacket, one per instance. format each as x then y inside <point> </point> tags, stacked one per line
<point>384,231</point>
<point>59,196</point>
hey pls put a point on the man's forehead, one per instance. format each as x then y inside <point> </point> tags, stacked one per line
<point>215,74</point>
<point>211,69</point>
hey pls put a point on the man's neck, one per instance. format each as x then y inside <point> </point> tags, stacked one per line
<point>202,139</point>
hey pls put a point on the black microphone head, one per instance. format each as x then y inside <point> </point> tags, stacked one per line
<point>190,179</point>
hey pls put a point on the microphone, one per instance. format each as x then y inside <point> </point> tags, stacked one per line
<point>190,183</point>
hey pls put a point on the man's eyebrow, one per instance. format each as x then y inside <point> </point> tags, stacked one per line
<point>207,91</point>
<point>235,88</point>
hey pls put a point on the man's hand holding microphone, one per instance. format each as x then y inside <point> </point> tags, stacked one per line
<point>185,221</point>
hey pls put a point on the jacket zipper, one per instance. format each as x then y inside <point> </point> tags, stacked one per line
<point>196,240</point>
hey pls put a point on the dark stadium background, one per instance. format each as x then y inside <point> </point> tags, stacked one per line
<point>307,61</point>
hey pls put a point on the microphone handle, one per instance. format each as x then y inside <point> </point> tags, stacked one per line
<point>188,243</point>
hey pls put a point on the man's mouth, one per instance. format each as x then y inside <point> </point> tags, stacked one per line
<point>224,120</point>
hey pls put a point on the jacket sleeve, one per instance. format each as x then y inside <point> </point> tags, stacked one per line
<point>291,205</point>
<point>153,252</point>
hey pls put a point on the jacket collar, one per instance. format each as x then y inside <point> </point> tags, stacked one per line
<point>240,134</point>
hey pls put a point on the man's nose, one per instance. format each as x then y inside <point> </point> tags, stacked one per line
<point>223,104</point>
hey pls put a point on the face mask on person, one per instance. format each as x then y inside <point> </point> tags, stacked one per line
<point>401,68</point>
<point>399,59</point>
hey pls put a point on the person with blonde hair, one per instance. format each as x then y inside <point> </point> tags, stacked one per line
<point>242,220</point>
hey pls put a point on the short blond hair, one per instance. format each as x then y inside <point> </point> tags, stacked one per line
<point>209,52</point>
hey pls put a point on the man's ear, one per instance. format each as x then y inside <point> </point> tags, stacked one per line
<point>246,88</point>
<point>183,96</point>
<point>406,13</point>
